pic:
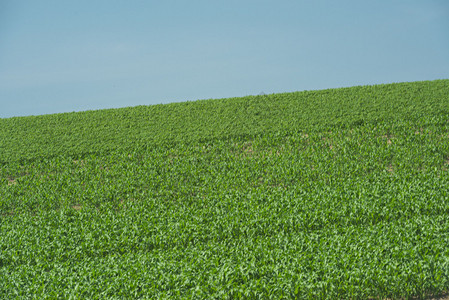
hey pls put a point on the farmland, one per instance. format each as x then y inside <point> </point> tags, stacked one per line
<point>339,193</point>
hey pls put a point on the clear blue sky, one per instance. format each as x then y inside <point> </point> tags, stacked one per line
<point>62,56</point>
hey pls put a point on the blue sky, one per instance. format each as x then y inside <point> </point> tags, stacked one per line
<point>62,56</point>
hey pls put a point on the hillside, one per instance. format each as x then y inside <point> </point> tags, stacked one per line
<point>78,133</point>
<point>339,193</point>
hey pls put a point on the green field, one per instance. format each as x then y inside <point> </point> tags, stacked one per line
<point>339,193</point>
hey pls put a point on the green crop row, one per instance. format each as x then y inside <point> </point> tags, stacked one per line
<point>323,211</point>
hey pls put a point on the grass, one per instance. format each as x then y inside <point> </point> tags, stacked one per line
<point>319,194</point>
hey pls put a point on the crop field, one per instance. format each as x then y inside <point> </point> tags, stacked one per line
<point>331,194</point>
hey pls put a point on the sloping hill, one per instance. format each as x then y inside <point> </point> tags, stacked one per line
<point>26,138</point>
<point>338,194</point>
